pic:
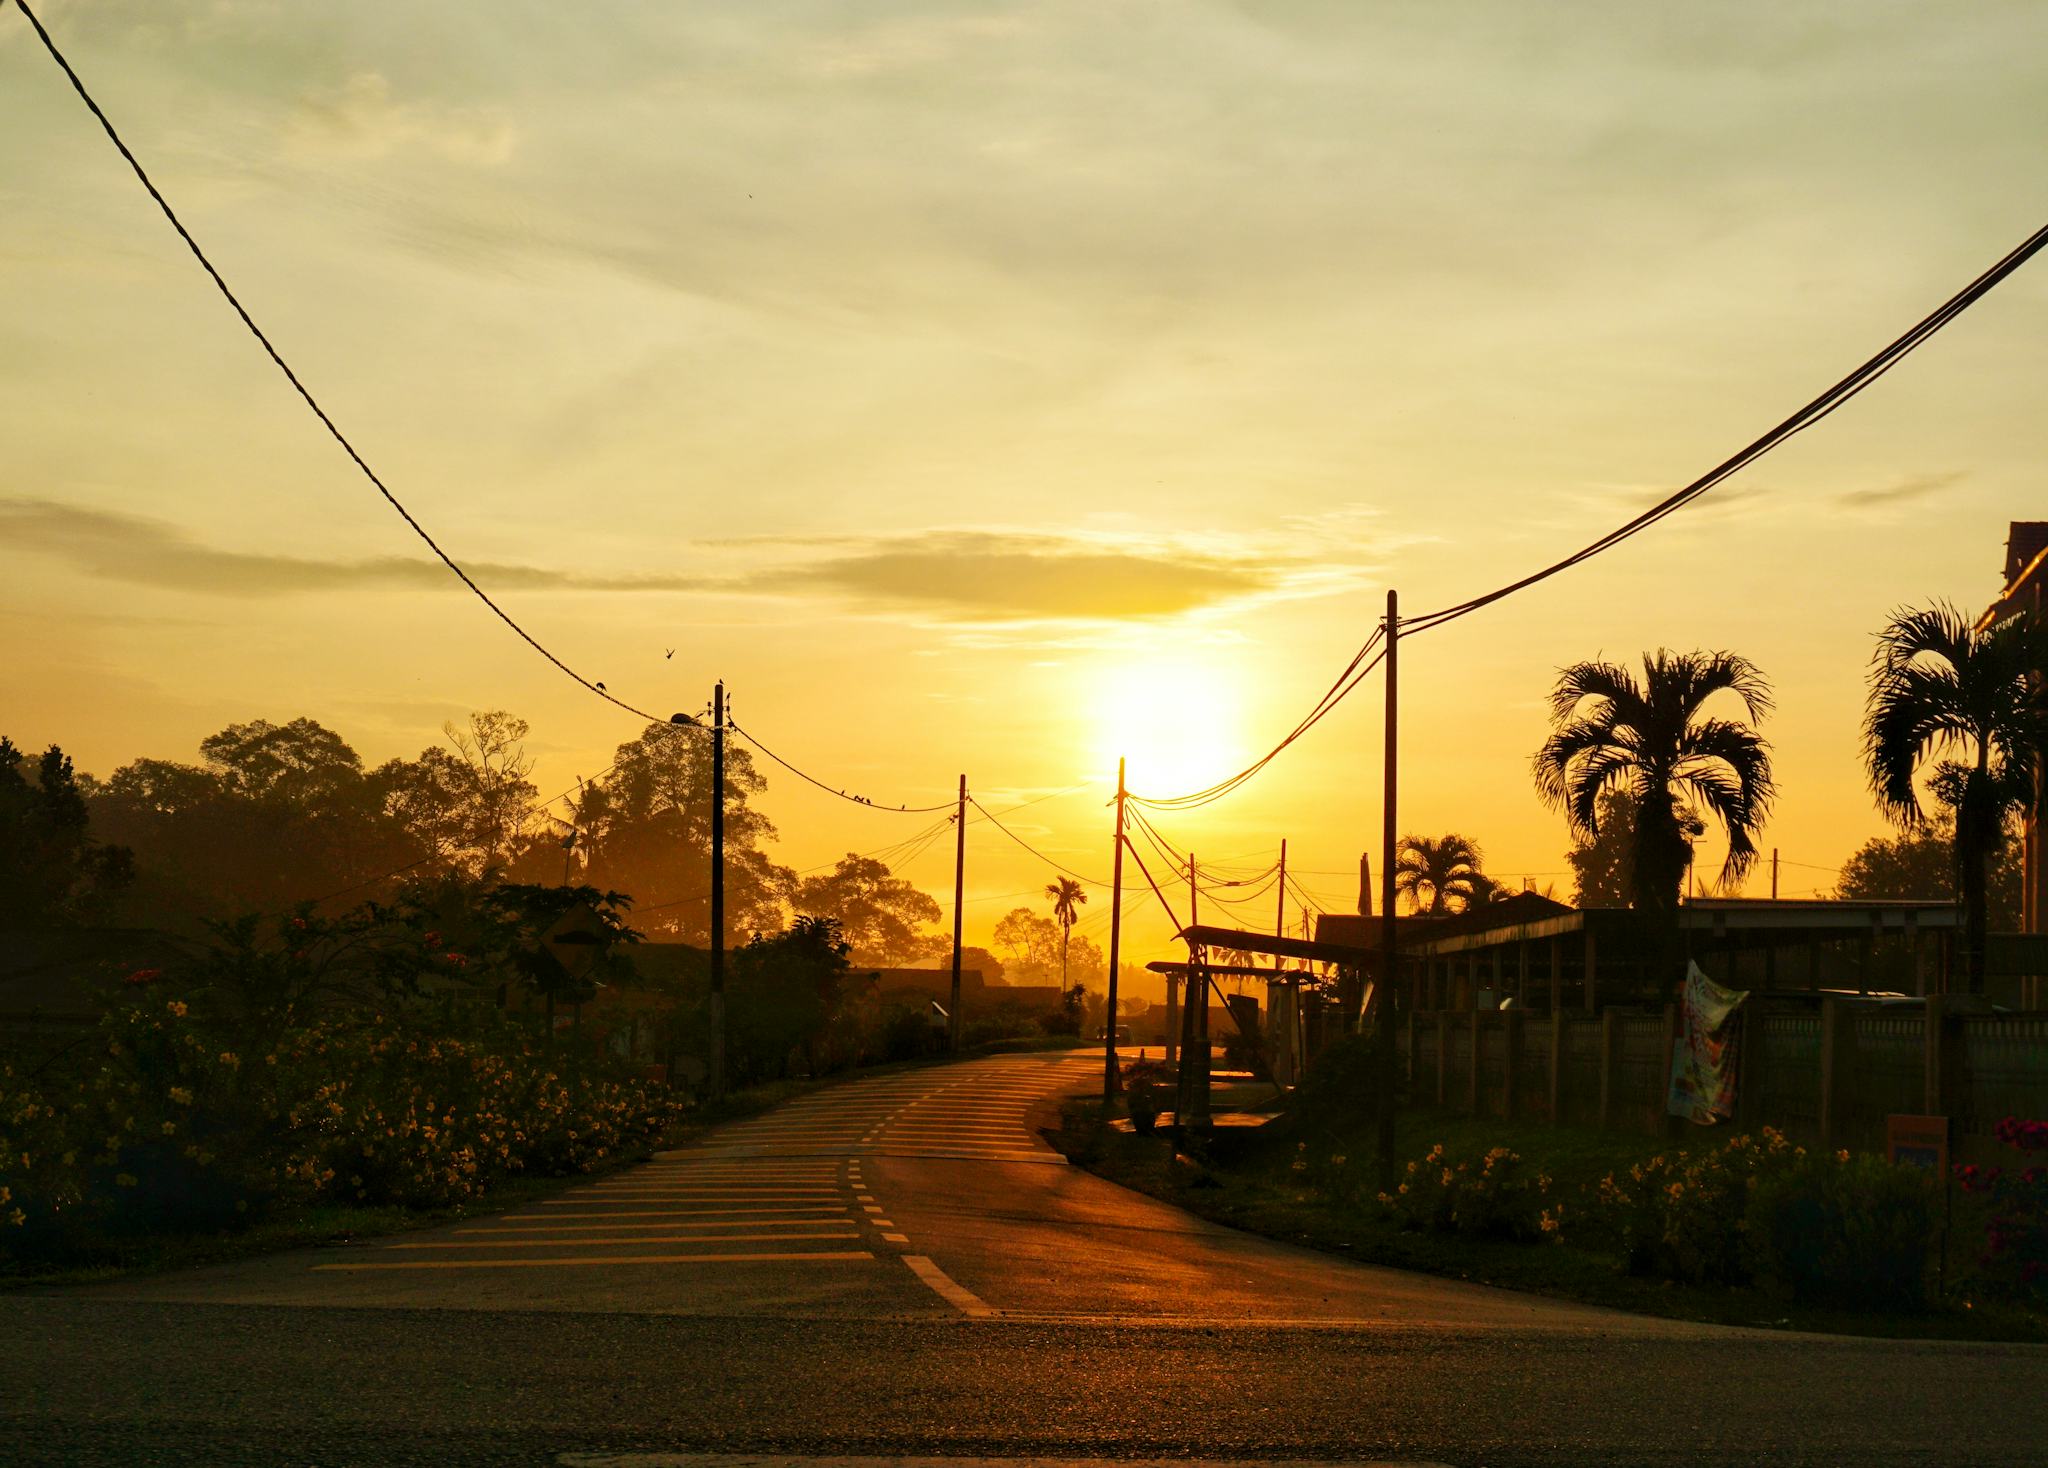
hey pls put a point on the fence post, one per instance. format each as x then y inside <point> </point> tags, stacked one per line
<point>1937,1045</point>
<point>1511,1060</point>
<point>1835,1043</point>
<point>1608,1047</point>
<point>1749,1064</point>
<point>1557,1034</point>
<point>1472,1075</point>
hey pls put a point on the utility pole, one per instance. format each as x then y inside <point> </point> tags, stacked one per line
<point>1280,900</point>
<point>716,1079</point>
<point>1383,1025</point>
<point>1110,1078</point>
<point>1774,874</point>
<point>959,893</point>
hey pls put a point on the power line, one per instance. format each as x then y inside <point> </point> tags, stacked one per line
<point>1057,866</point>
<point>298,386</point>
<point>1840,393</point>
<point>755,739</point>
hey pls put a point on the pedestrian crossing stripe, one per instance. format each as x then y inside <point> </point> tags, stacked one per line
<point>570,1262</point>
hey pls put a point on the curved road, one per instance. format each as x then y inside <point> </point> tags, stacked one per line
<point>901,1265</point>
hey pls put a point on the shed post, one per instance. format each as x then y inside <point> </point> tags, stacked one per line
<point>1556,975</point>
<point>1557,1035</point>
<point>1608,1048</point>
<point>1511,1060</point>
<point>1592,970</point>
<point>1475,1019</point>
<point>1443,1057</point>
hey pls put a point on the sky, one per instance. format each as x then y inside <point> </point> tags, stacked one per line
<point>1005,389</point>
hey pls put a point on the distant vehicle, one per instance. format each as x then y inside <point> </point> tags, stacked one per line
<point>1123,1034</point>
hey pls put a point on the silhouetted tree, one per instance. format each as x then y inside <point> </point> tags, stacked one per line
<point>1920,864</point>
<point>52,871</point>
<point>1653,740</point>
<point>470,801</point>
<point>1067,897</point>
<point>1030,944</point>
<point>1439,874</point>
<point>646,829</point>
<point>884,918</point>
<point>1972,702</point>
<point>1603,860</point>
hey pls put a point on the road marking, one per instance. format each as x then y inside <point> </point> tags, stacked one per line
<point>578,1263</point>
<point>851,1460</point>
<point>1042,1156</point>
<point>601,1227</point>
<point>871,1208</point>
<point>964,1300</point>
<point>849,1232</point>
<point>896,1238</point>
<point>673,1213</point>
<point>736,1195</point>
<point>881,1223</point>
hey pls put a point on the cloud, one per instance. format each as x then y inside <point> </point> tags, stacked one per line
<point>1900,491</point>
<point>982,580</point>
<point>361,119</point>
<point>148,552</point>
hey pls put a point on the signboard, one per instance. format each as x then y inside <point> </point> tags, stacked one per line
<point>1917,1141</point>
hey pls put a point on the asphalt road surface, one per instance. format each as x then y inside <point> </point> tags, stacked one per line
<point>901,1267</point>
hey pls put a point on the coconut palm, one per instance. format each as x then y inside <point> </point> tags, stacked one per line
<point>1067,900</point>
<point>1971,699</point>
<point>1439,872</point>
<point>1653,740</point>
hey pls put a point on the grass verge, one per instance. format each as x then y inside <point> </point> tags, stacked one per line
<point>1246,1182</point>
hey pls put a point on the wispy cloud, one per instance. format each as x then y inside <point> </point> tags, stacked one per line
<point>361,118</point>
<point>1901,491</point>
<point>983,581</point>
<point>148,552</point>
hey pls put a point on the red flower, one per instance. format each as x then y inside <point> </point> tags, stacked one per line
<point>456,959</point>
<point>433,940</point>
<point>144,976</point>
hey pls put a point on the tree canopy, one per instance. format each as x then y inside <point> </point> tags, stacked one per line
<point>886,920</point>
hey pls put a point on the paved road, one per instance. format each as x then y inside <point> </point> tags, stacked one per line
<point>901,1265</point>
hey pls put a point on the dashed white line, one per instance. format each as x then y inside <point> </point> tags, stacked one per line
<point>960,1298</point>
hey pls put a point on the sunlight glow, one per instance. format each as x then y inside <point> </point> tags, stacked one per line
<point>1178,720</point>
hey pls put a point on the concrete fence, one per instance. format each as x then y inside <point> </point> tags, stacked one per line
<point>1826,1076</point>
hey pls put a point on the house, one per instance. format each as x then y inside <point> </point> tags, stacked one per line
<point>2026,593</point>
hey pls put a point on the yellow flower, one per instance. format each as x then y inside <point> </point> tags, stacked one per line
<point>177,1008</point>
<point>180,1095</point>
<point>17,1218</point>
<point>170,1128</point>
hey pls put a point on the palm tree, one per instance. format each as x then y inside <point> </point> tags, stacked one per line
<point>1940,686</point>
<point>1439,872</point>
<point>1652,740</point>
<point>1067,901</point>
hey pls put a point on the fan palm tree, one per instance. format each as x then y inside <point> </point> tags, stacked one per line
<point>1067,900</point>
<point>1439,872</point>
<point>1971,699</point>
<point>1653,740</point>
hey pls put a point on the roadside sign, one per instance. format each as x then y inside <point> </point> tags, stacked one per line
<point>1918,1141</point>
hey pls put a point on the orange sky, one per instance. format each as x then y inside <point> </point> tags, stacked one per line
<point>1008,388</point>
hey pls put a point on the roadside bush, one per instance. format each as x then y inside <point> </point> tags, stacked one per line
<point>1495,1195</point>
<point>1339,1093</point>
<point>1148,1090</point>
<point>2012,1261</point>
<point>1840,1230</point>
<point>1683,1215</point>
<point>168,1126</point>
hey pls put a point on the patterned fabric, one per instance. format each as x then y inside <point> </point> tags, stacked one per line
<point>1703,1055</point>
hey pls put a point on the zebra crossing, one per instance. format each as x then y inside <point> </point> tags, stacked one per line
<point>979,1111</point>
<point>664,1213</point>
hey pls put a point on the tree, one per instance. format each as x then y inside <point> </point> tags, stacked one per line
<point>1067,898</point>
<point>646,829</point>
<point>1972,703</point>
<point>1653,740</point>
<point>883,917</point>
<point>51,869</point>
<point>1030,946</point>
<point>470,800</point>
<point>1919,864</point>
<point>1603,861</point>
<point>1440,872</point>
<point>785,992</point>
<point>275,815</point>
<point>983,962</point>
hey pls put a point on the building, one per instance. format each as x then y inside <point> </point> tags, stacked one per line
<point>2026,594</point>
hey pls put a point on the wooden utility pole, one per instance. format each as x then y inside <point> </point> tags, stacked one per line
<point>1110,1077</point>
<point>1383,1031</point>
<point>716,1077</point>
<point>1774,874</point>
<point>1280,900</point>
<point>959,895</point>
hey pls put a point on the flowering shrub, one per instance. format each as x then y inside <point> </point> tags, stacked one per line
<point>1684,1215</point>
<point>1843,1230</point>
<point>1495,1195</point>
<point>2014,1202</point>
<point>170,1126</point>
